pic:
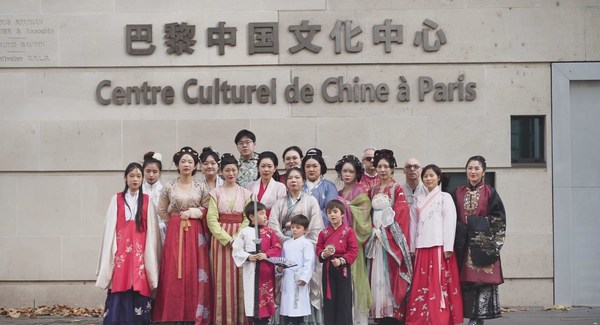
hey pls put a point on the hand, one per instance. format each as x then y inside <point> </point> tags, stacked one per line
<point>447,255</point>
<point>185,215</point>
<point>261,256</point>
<point>327,253</point>
<point>252,258</point>
<point>336,262</point>
<point>301,283</point>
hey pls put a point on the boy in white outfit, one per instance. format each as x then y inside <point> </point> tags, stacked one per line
<point>295,291</point>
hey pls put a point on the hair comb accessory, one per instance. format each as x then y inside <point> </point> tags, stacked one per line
<point>314,152</point>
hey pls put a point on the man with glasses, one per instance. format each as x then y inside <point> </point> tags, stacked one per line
<point>413,185</point>
<point>369,178</point>
<point>245,141</point>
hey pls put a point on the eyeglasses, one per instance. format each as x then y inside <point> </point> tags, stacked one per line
<point>415,166</point>
<point>369,159</point>
<point>245,143</point>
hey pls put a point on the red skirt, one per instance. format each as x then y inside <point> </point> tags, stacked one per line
<point>184,285</point>
<point>435,296</point>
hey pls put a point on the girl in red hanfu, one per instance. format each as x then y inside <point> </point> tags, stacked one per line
<point>184,291</point>
<point>245,255</point>
<point>435,295</point>
<point>387,250</point>
<point>128,264</point>
<point>337,249</point>
<point>266,188</point>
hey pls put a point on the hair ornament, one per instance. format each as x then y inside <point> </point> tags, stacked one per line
<point>157,156</point>
<point>314,152</point>
<point>189,151</point>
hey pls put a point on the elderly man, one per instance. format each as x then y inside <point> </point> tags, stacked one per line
<point>413,185</point>
<point>369,178</point>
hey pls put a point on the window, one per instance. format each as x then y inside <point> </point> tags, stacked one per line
<point>527,140</point>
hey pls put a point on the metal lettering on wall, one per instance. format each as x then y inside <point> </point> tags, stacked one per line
<point>332,90</point>
<point>28,40</point>
<point>263,37</point>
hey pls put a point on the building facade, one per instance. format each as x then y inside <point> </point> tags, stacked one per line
<point>89,86</point>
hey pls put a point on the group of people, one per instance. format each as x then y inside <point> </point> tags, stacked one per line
<point>242,244</point>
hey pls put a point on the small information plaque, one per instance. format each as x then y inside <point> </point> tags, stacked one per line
<point>28,41</point>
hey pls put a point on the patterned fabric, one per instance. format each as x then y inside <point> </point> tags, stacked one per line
<point>243,247</point>
<point>481,302</point>
<point>389,264</point>
<point>248,170</point>
<point>184,291</point>
<point>480,283</point>
<point>435,296</point>
<point>130,270</point>
<point>358,208</point>
<point>127,308</point>
<point>225,220</point>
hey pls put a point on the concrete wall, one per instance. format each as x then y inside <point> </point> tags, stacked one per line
<point>63,152</point>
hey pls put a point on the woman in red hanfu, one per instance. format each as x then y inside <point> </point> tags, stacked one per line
<point>387,250</point>
<point>128,265</point>
<point>185,288</point>
<point>435,295</point>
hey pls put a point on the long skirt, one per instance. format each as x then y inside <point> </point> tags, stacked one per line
<point>127,308</point>
<point>435,297</point>
<point>228,290</point>
<point>481,301</point>
<point>184,287</point>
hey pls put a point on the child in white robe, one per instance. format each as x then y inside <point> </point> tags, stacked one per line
<point>295,291</point>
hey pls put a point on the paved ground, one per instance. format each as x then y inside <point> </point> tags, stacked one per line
<point>533,316</point>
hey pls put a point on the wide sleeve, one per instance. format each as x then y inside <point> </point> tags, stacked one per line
<point>360,207</point>
<point>351,248</point>
<point>204,200</point>
<point>274,249</point>
<point>316,220</point>
<point>308,262</point>
<point>212,219</point>
<point>240,256</point>
<point>413,227</point>
<point>153,247</point>
<point>331,193</point>
<point>401,209</point>
<point>245,221</point>
<point>497,218</point>
<point>275,220</point>
<point>448,222</point>
<point>320,246</point>
<point>108,246</point>
<point>163,203</point>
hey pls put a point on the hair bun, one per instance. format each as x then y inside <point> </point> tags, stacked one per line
<point>148,155</point>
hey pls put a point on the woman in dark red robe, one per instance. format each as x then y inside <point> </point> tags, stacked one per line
<point>482,218</point>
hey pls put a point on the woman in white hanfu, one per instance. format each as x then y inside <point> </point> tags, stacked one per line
<point>266,189</point>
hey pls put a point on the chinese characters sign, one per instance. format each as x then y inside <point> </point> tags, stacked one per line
<point>263,37</point>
